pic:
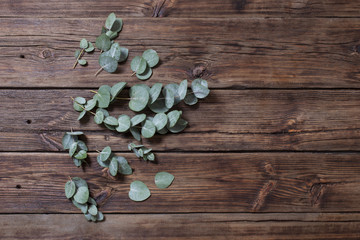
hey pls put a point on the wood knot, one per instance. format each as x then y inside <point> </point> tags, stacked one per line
<point>161,8</point>
<point>102,196</point>
<point>317,191</point>
<point>46,53</point>
<point>239,4</point>
<point>198,71</point>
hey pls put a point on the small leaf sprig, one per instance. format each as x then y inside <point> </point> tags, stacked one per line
<point>77,148</point>
<point>77,190</point>
<point>142,66</point>
<point>142,152</point>
<point>114,164</point>
<point>84,46</point>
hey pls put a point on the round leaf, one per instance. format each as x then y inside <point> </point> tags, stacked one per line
<point>100,216</point>
<point>81,115</point>
<point>146,75</point>
<point>84,43</point>
<point>124,123</point>
<point>151,157</point>
<point>105,154</point>
<point>77,53</point>
<point>93,210</point>
<point>111,121</point>
<point>163,131</point>
<point>173,117</point>
<point>163,179</point>
<point>136,133</point>
<point>155,92</point>
<point>124,167</point>
<point>99,117</point>
<point>90,48</point>
<point>111,34</point>
<point>182,89</point>
<point>139,118</point>
<point>139,191</point>
<point>159,105</point>
<point>92,201</point>
<point>82,154</point>
<point>103,42</point>
<point>82,145</point>
<point>117,25</point>
<point>116,89</point>
<point>80,100</point>
<point>179,126</point>
<point>138,65</point>
<point>90,104</point>
<point>113,52</point>
<point>200,88</point>
<point>73,148</point>
<point>110,20</point>
<point>103,96</point>
<point>160,120</point>
<point>82,62</point>
<point>113,167</point>
<point>79,182</point>
<point>200,81</point>
<point>104,164</point>
<point>151,57</point>
<point>173,87</point>
<point>77,162</point>
<point>109,64</point>
<point>106,113</point>
<point>67,140</point>
<point>148,130</point>
<point>70,189</point>
<point>190,99</point>
<point>78,107</point>
<point>169,97</point>
<point>82,207</point>
<point>139,97</point>
<point>82,195</point>
<point>112,128</point>
<point>124,54</point>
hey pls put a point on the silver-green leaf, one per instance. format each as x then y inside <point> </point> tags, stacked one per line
<point>139,118</point>
<point>200,88</point>
<point>103,96</point>
<point>109,64</point>
<point>82,195</point>
<point>151,57</point>
<point>113,167</point>
<point>84,43</point>
<point>116,89</point>
<point>73,148</point>
<point>173,117</point>
<point>113,52</point>
<point>124,54</point>
<point>110,20</point>
<point>155,92</point>
<point>139,191</point>
<point>138,65</point>
<point>70,189</point>
<point>124,123</point>
<point>82,154</point>
<point>148,129</point>
<point>139,97</point>
<point>82,62</point>
<point>93,210</point>
<point>103,42</point>
<point>105,154</point>
<point>145,75</point>
<point>99,117</point>
<point>124,167</point>
<point>111,121</point>
<point>163,179</point>
<point>136,133</point>
<point>182,89</point>
<point>160,120</point>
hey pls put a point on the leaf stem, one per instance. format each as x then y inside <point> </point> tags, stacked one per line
<point>82,106</point>
<point>82,51</point>
<point>133,74</point>
<point>99,71</point>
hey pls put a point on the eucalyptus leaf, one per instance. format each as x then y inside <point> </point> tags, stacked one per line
<point>151,57</point>
<point>160,120</point>
<point>103,96</point>
<point>106,113</point>
<point>99,117</point>
<point>138,65</point>
<point>82,154</point>
<point>70,189</point>
<point>112,128</point>
<point>92,201</point>
<point>77,53</point>
<point>179,126</point>
<point>100,216</point>
<point>147,150</point>
<point>124,167</point>
<point>173,117</point>
<point>182,89</point>
<point>90,48</point>
<point>82,62</point>
<point>111,34</point>
<point>163,131</point>
<point>113,52</point>
<point>139,118</point>
<point>110,20</point>
<point>200,88</point>
<point>151,157</point>
<point>105,154</point>
<point>109,64</point>
<point>174,88</point>
<point>124,123</point>
<point>111,121</point>
<point>159,105</point>
<point>93,210</point>
<point>117,25</point>
<point>73,148</point>
<point>116,89</point>
<point>90,104</point>
<point>80,100</point>
<point>148,129</point>
<point>78,107</point>
<point>84,43</point>
<point>163,179</point>
<point>82,195</point>
<point>81,115</point>
<point>155,92</point>
<point>104,164</point>
<point>139,191</point>
<point>79,182</point>
<point>77,133</point>
<point>81,145</point>
<point>190,99</point>
<point>67,140</point>
<point>77,162</point>
<point>124,54</point>
<point>103,42</point>
<point>201,81</point>
<point>169,97</point>
<point>82,207</point>
<point>136,133</point>
<point>113,167</point>
<point>139,97</point>
<point>146,75</point>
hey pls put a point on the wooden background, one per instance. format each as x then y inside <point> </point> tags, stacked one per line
<point>272,153</point>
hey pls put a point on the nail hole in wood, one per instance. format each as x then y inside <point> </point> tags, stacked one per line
<point>18,186</point>
<point>22,56</point>
<point>28,121</point>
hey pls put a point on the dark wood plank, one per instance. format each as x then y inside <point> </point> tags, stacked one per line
<point>218,182</point>
<point>237,120</point>
<point>182,226</point>
<point>180,8</point>
<point>229,53</point>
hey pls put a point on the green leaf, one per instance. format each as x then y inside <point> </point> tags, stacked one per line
<point>82,62</point>
<point>70,189</point>
<point>103,96</point>
<point>79,182</point>
<point>138,65</point>
<point>93,210</point>
<point>173,117</point>
<point>169,97</point>
<point>103,42</point>
<point>139,118</point>
<point>136,133</point>
<point>117,26</point>
<point>90,104</point>
<point>190,99</point>
<point>92,201</point>
<point>151,57</point>
<point>139,191</point>
<point>111,34</point>
<point>106,113</point>
<point>109,64</point>
<point>155,92</point>
<point>113,52</point>
<point>112,128</point>
<point>78,107</point>
<point>151,157</point>
<point>77,53</point>
<point>105,154</point>
<point>124,167</point>
<point>124,54</point>
<point>148,129</point>
<point>82,207</point>
<point>147,150</point>
<point>163,131</point>
<point>100,216</point>
<point>77,162</point>
<point>139,97</point>
<point>159,105</point>
<point>99,117</point>
<point>103,30</point>
<point>77,133</point>
<point>174,88</point>
<point>111,121</point>
<point>160,120</point>
<point>200,88</point>
<point>116,89</point>
<point>90,48</point>
<point>82,195</point>
<point>80,100</point>
<point>146,75</point>
<point>73,148</point>
<point>104,164</point>
<point>182,89</point>
<point>124,123</point>
<point>81,115</point>
<point>179,126</point>
<point>82,145</point>
<point>67,140</point>
<point>84,43</point>
<point>110,20</point>
<point>163,179</point>
<point>113,167</point>
<point>82,154</point>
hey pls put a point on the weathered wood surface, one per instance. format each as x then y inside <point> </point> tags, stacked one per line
<point>227,120</point>
<point>180,8</point>
<point>229,53</point>
<point>183,226</point>
<point>216,182</point>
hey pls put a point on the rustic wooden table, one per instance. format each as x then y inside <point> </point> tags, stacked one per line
<point>272,153</point>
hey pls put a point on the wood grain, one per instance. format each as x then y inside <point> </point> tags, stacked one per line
<point>180,8</point>
<point>229,53</point>
<point>182,226</point>
<point>217,182</point>
<point>227,120</point>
